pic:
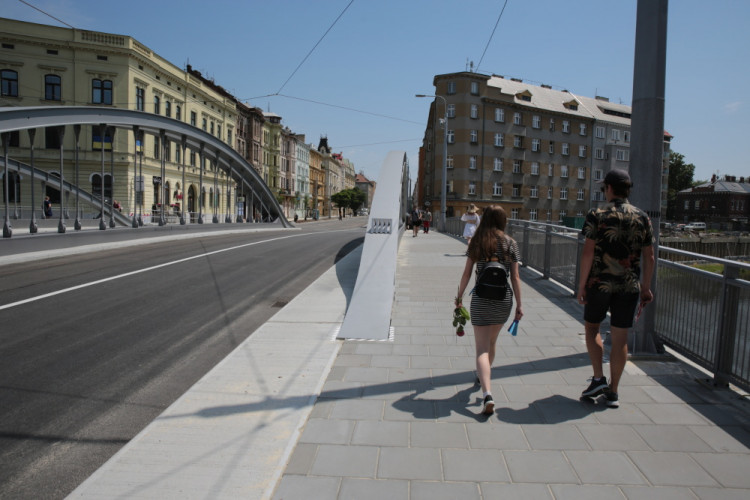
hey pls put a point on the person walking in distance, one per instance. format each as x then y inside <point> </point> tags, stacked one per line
<point>416,220</point>
<point>426,219</point>
<point>472,221</point>
<point>489,315</point>
<point>617,235</point>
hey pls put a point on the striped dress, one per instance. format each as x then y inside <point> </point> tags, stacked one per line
<point>495,312</point>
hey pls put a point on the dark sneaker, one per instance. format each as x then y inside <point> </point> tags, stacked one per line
<point>613,401</point>
<point>595,388</point>
<point>489,405</point>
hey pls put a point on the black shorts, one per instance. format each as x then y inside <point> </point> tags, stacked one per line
<point>620,305</point>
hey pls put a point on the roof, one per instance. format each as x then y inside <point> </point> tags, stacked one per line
<point>720,186</point>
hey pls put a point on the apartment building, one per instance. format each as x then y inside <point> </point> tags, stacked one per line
<point>720,203</point>
<point>534,150</point>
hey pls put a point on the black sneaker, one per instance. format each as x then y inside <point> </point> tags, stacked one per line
<point>613,401</point>
<point>596,387</point>
<point>489,405</point>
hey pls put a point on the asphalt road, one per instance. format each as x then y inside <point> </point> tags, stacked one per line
<point>94,346</point>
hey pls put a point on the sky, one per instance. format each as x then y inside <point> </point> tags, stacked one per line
<point>349,69</point>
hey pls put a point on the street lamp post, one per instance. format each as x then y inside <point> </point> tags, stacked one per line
<point>444,187</point>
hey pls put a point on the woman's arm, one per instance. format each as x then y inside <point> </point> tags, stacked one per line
<point>465,277</point>
<point>515,282</point>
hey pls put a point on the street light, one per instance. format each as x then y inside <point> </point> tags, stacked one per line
<point>445,160</point>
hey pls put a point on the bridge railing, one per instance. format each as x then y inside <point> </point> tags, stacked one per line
<point>703,315</point>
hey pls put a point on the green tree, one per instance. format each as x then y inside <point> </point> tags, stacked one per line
<point>349,198</point>
<point>680,177</point>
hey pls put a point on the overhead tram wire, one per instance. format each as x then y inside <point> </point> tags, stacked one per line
<point>314,47</point>
<point>350,109</point>
<point>47,14</point>
<point>492,35</point>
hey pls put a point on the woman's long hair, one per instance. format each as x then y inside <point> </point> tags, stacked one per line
<point>492,225</point>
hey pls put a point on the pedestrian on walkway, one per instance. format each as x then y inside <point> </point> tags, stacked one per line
<point>472,221</point>
<point>617,235</point>
<point>488,316</point>
<point>416,220</point>
<point>426,219</point>
<point>47,206</point>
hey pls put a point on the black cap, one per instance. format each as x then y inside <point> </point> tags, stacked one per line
<point>617,177</point>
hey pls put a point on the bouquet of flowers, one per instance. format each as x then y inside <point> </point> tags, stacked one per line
<point>460,316</point>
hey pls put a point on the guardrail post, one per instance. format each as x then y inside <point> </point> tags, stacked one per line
<point>525,250</point>
<point>725,338</point>
<point>581,239</point>
<point>547,251</point>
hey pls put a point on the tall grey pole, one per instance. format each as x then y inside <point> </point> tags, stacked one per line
<point>134,206</point>
<point>61,136</point>
<point>183,200</point>
<point>200,182</point>
<point>647,136</point>
<point>33,228</point>
<point>77,133</point>
<point>163,195</point>
<point>102,130</point>
<point>140,183</point>
<point>112,224</point>
<point>7,227</point>
<point>215,218</point>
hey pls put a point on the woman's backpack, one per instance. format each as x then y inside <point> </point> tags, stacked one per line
<point>492,282</point>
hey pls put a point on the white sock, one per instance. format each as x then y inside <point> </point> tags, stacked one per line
<point>486,394</point>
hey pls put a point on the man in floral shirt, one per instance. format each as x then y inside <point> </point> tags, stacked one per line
<point>617,235</point>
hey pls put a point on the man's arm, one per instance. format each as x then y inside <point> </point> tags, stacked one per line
<point>587,260</point>
<point>649,262</point>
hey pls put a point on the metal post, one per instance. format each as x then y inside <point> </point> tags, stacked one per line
<point>163,173</point>
<point>183,200</point>
<point>61,223</point>
<point>200,181</point>
<point>647,133</point>
<point>7,227</point>
<point>112,224</point>
<point>140,181</point>
<point>33,228</point>
<point>136,140</point>
<point>102,130</point>
<point>215,218</point>
<point>77,132</point>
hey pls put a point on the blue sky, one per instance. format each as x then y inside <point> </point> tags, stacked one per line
<point>363,75</point>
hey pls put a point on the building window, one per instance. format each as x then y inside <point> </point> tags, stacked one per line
<point>581,172</point>
<point>599,132</point>
<point>551,147</point>
<point>563,213</point>
<point>451,87</point>
<point>139,98</point>
<point>517,166</point>
<point>551,170</point>
<point>597,174</point>
<point>551,124</point>
<point>582,128</point>
<point>101,91</point>
<point>549,215</point>
<point>178,112</point>
<point>514,213</point>
<point>499,140</point>
<point>205,125</point>
<point>532,214</point>
<point>96,185</point>
<point>192,158</point>
<point>623,155</point>
<point>566,127</point>
<point>697,204</point>
<point>52,88</point>
<point>599,153</point>
<point>517,141</point>
<point>157,105</point>
<point>473,162</point>
<point>9,80</point>
<point>473,136</point>
<point>579,195</point>
<point>615,134</point>
<point>534,193</point>
<point>218,130</point>
<point>549,193</point>
<point>451,111</point>
<point>451,137</point>
<point>168,109</point>
<point>536,121</point>
<point>497,189</point>
<point>564,171</point>
<point>563,193</point>
<point>581,151</point>
<point>167,150</point>
<point>499,115</point>
<point>535,168</point>
<point>475,88</point>
<point>96,138</point>
<point>156,148</point>
<point>516,190</point>
<point>536,144</point>
<point>517,118</point>
<point>449,161</point>
<point>177,154</point>
<point>565,148</point>
<point>626,136</point>
<point>193,118</point>
<point>472,188</point>
<point>498,165</point>
<point>474,112</point>
<point>229,136</point>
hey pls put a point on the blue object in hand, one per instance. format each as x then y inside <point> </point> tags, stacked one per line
<point>513,328</point>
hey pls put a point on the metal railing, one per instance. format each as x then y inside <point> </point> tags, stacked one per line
<point>703,315</point>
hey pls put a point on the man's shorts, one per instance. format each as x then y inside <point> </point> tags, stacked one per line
<point>620,305</point>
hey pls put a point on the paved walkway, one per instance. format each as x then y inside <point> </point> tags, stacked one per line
<point>400,419</point>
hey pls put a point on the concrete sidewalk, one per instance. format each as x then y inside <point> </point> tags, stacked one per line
<point>294,414</point>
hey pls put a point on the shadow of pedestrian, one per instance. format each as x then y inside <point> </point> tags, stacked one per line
<point>432,409</point>
<point>553,409</point>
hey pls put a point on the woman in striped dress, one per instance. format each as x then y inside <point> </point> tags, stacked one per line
<point>488,316</point>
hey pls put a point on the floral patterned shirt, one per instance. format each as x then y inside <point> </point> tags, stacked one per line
<point>620,231</point>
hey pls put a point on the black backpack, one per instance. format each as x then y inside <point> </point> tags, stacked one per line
<point>492,282</point>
